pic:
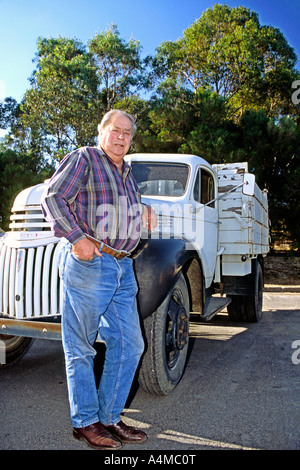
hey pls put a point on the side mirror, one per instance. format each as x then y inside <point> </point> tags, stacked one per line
<point>248,185</point>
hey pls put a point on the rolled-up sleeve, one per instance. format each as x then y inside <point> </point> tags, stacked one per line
<point>60,195</point>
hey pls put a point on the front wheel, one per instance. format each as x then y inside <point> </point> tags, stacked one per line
<point>12,349</point>
<point>167,336</point>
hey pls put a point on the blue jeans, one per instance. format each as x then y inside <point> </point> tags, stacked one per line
<point>99,296</point>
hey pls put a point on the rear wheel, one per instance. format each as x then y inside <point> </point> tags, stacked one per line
<point>248,308</point>
<point>12,349</point>
<point>167,336</point>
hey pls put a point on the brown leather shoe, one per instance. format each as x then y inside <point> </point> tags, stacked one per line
<point>127,434</point>
<point>97,437</point>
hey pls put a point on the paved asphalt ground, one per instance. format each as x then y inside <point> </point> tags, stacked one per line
<point>240,391</point>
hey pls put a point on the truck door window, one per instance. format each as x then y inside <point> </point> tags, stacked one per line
<point>204,189</point>
<point>161,179</point>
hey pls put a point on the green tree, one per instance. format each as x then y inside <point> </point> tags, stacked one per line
<point>214,135</point>
<point>271,148</point>
<point>171,118</point>
<point>120,68</point>
<point>62,104</point>
<point>186,122</point>
<point>18,171</point>
<point>9,113</point>
<point>228,52</point>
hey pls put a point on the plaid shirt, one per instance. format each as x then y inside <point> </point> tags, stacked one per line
<point>87,195</point>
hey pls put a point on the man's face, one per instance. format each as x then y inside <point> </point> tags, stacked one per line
<point>115,139</point>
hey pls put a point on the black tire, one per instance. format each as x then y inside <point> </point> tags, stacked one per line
<point>248,308</point>
<point>13,349</point>
<point>167,338</point>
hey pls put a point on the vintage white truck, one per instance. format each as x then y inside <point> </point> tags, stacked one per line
<point>206,255</point>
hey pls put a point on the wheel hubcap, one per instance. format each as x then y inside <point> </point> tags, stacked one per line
<point>176,329</point>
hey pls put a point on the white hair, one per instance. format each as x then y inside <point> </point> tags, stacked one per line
<point>109,115</point>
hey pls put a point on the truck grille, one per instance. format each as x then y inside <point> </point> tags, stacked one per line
<point>30,286</point>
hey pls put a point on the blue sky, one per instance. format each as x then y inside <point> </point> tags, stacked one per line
<point>150,21</point>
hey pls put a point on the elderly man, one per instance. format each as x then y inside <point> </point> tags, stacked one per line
<point>92,201</point>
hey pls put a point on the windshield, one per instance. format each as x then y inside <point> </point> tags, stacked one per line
<point>160,179</point>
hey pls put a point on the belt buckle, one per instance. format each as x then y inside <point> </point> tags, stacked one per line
<point>119,253</point>
<point>116,253</point>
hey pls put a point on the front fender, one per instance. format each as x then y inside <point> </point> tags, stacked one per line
<point>157,269</point>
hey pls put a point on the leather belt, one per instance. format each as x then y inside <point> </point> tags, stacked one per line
<point>119,254</point>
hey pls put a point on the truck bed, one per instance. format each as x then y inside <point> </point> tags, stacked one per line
<point>244,223</point>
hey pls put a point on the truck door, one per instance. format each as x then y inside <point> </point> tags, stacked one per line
<point>205,220</point>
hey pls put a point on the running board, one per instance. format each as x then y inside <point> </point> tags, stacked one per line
<point>213,305</point>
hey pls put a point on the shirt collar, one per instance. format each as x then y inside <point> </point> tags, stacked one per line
<point>126,167</point>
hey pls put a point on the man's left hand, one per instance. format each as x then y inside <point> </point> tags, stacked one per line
<point>149,218</point>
